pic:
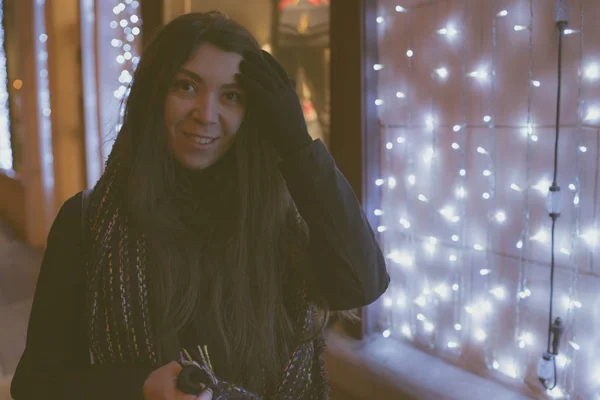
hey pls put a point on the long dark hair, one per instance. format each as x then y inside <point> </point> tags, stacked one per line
<point>245,297</point>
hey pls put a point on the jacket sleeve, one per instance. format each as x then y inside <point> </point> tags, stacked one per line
<point>348,268</point>
<point>55,363</point>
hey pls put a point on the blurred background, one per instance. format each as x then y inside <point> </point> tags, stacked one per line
<point>442,115</point>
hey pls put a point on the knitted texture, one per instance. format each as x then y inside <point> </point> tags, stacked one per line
<point>119,316</point>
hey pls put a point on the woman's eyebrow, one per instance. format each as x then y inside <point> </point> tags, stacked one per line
<point>198,78</point>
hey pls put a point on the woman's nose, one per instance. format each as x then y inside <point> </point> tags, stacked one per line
<point>206,109</point>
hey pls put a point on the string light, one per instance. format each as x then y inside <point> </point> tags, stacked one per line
<point>6,157</point>
<point>592,71</point>
<point>434,292</point>
<point>43,99</point>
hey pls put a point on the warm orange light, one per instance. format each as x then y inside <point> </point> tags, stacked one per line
<point>18,84</point>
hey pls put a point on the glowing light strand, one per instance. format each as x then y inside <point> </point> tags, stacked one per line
<point>524,259</point>
<point>429,335</point>
<point>126,24</point>
<point>568,375</point>
<point>491,322</point>
<point>411,290</point>
<point>43,98</point>
<point>462,252</point>
<point>6,156</point>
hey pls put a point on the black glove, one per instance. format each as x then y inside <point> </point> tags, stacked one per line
<point>274,103</point>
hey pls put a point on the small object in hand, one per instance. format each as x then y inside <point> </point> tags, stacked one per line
<point>192,380</point>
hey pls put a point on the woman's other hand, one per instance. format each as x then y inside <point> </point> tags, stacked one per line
<point>161,385</point>
<point>274,102</point>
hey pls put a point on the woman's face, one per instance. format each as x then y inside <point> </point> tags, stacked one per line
<point>204,107</point>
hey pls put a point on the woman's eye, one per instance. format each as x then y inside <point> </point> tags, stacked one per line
<point>233,97</point>
<point>185,86</point>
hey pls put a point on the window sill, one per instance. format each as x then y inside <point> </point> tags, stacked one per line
<point>388,369</point>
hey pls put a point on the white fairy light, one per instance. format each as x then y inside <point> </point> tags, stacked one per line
<point>402,258</point>
<point>541,236</point>
<point>592,71</point>
<point>498,292</point>
<point>591,237</point>
<point>480,335</point>
<point>478,247</point>
<point>480,74</point>
<point>442,290</point>
<point>543,186</point>
<point>400,140</point>
<point>442,72</point>
<point>500,216</point>
<point>519,28</point>
<point>593,114</point>
<point>400,95</point>
<point>387,302</point>
<point>386,333</point>
<point>516,187</point>
<point>447,31</point>
<point>582,149</point>
<point>556,393</point>
<point>561,360</point>
<point>574,345</point>
<point>409,53</point>
<point>421,301</point>
<point>456,128</point>
<point>536,83</point>
<point>422,198</point>
<point>379,20</point>
<point>428,326</point>
<point>447,212</point>
<point>378,102</point>
<point>378,212</point>
<point>401,9</point>
<point>428,155</point>
<point>377,67</point>
<point>502,13</point>
<point>455,146</point>
<point>487,118</point>
<point>429,122</point>
<point>379,182</point>
<point>401,301</point>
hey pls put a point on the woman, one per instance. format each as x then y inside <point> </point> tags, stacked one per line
<point>218,223</point>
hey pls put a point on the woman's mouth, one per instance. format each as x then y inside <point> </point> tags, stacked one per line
<point>203,140</point>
